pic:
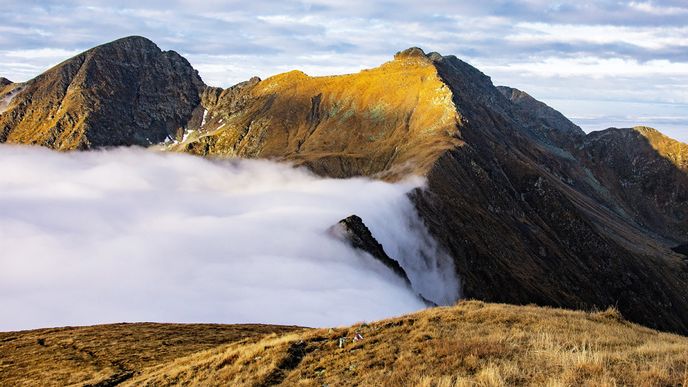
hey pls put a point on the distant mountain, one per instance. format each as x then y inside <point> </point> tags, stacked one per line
<point>646,175</point>
<point>542,119</point>
<point>530,208</point>
<point>127,92</point>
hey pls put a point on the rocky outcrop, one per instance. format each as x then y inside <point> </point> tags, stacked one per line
<point>353,230</point>
<point>4,82</point>
<point>127,92</point>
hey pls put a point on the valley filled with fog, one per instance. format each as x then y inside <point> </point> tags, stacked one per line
<point>134,235</point>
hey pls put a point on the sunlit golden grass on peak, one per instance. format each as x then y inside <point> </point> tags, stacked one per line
<point>395,119</point>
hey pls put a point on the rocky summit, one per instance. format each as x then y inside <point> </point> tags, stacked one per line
<point>127,92</point>
<point>530,208</point>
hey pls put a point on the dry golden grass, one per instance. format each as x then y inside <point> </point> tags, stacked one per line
<point>395,119</point>
<point>471,344</point>
<point>674,151</point>
<point>91,355</point>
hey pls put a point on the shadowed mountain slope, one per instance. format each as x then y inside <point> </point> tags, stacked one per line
<point>515,209</point>
<point>127,92</point>
<point>645,173</point>
<point>530,209</point>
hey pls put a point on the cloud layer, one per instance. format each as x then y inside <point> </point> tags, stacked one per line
<point>132,235</point>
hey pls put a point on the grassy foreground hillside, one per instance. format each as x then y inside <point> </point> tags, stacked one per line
<point>106,355</point>
<point>473,343</point>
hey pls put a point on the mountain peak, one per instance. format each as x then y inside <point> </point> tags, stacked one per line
<point>152,93</point>
<point>133,38</point>
<point>410,53</point>
<point>542,117</point>
<point>4,81</point>
<point>128,44</point>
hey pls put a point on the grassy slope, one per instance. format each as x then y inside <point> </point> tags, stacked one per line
<point>95,354</point>
<point>473,343</point>
<point>392,120</point>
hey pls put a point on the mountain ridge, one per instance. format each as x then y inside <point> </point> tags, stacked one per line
<point>515,192</point>
<point>126,92</point>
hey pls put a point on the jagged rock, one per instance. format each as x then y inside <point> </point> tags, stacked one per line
<point>410,52</point>
<point>353,230</point>
<point>357,233</point>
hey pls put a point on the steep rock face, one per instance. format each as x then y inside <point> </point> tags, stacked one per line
<point>127,92</point>
<point>390,121</point>
<point>525,222</point>
<point>544,120</point>
<point>646,173</point>
<point>353,230</point>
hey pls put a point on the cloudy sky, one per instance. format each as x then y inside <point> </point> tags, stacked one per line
<point>602,63</point>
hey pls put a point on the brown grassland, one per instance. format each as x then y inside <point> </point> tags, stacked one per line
<point>108,354</point>
<point>470,344</point>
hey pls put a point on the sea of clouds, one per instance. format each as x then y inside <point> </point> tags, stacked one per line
<point>135,235</point>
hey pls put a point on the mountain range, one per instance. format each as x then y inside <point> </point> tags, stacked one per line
<point>531,209</point>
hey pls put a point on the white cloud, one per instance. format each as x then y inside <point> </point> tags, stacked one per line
<point>133,235</point>
<point>649,7</point>
<point>40,53</point>
<point>645,37</point>
<point>593,67</point>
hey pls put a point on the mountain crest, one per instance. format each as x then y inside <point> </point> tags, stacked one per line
<point>126,92</point>
<point>412,52</point>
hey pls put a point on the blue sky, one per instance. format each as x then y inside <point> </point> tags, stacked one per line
<point>602,63</point>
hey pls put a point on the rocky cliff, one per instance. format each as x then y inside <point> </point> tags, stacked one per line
<point>530,208</point>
